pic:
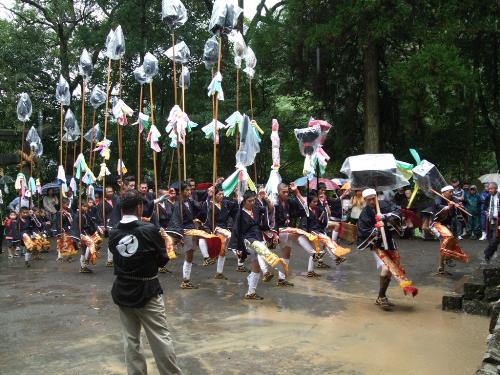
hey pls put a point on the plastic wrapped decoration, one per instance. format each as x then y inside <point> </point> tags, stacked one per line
<point>211,52</point>
<point>97,97</point>
<point>215,87</point>
<point>250,62</point>
<point>428,178</point>
<point>69,121</point>
<point>24,108</point>
<point>121,111</point>
<point>178,122</point>
<point>377,171</point>
<point>85,67</point>
<point>93,134</point>
<point>325,128</point>
<point>249,144</point>
<point>274,176</point>
<point>173,13</point>
<point>35,142</point>
<point>182,53</point>
<point>141,76</point>
<point>233,121</point>
<point>63,96</point>
<point>276,143</point>
<point>150,65</point>
<point>185,78</point>
<point>225,14</point>
<point>239,47</point>
<point>249,147</point>
<point>209,130</point>
<point>309,139</point>
<point>115,44</point>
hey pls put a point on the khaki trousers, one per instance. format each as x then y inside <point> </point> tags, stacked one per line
<point>153,318</point>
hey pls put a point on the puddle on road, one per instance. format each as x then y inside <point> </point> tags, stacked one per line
<point>416,338</point>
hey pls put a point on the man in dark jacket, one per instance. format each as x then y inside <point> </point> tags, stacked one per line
<point>492,213</point>
<point>138,251</point>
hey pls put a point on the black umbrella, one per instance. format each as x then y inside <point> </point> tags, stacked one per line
<point>53,185</point>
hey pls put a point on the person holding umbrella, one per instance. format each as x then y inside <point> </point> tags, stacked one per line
<point>492,211</point>
<point>370,229</point>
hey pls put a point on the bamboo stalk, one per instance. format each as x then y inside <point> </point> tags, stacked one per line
<point>139,141</point>
<point>237,106</point>
<point>92,135</point>
<point>216,115</point>
<point>151,103</point>
<point>171,168</point>
<point>184,135</point>
<point>120,130</point>
<point>61,163</point>
<point>106,111</point>
<point>81,152</point>
<point>175,70</point>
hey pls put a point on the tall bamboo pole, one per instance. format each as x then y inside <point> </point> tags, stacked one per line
<point>139,140</point>
<point>216,115</point>
<point>106,110</point>
<point>81,152</point>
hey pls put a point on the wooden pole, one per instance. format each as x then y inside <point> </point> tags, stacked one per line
<point>175,70</point>
<point>184,135</point>
<point>171,168</point>
<point>174,74</point>
<point>237,106</point>
<point>450,201</point>
<point>81,152</point>
<point>216,115</point>
<point>106,113</point>
<point>61,163</point>
<point>382,230</point>
<point>139,140</point>
<point>120,129</point>
<point>151,103</point>
<point>92,135</point>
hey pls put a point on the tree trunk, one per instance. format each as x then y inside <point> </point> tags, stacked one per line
<point>371,109</point>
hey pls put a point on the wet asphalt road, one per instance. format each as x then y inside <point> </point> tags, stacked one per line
<point>54,320</point>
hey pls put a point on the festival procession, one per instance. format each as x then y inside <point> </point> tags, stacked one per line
<point>109,209</point>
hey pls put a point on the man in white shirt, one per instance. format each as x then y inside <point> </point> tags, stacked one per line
<point>492,209</point>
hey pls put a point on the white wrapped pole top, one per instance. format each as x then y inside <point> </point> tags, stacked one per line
<point>376,171</point>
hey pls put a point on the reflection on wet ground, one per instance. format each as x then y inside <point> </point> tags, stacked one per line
<point>55,320</point>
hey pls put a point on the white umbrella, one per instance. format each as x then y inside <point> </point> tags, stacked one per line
<point>491,177</point>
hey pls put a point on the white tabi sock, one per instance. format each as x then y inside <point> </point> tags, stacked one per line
<point>110,256</point>
<point>253,280</point>
<point>27,256</point>
<point>310,265</point>
<point>220,264</point>
<point>305,244</point>
<point>335,235</point>
<point>262,264</point>
<point>281,274</point>
<point>82,260</point>
<point>186,270</point>
<point>58,254</point>
<point>202,243</point>
<point>240,262</point>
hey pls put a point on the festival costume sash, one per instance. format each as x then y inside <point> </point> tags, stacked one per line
<point>169,244</point>
<point>66,246</point>
<point>224,236</point>
<point>214,242</point>
<point>391,260</point>
<point>449,247</point>
<point>300,232</point>
<point>269,257</point>
<point>90,251</point>
<point>333,249</point>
